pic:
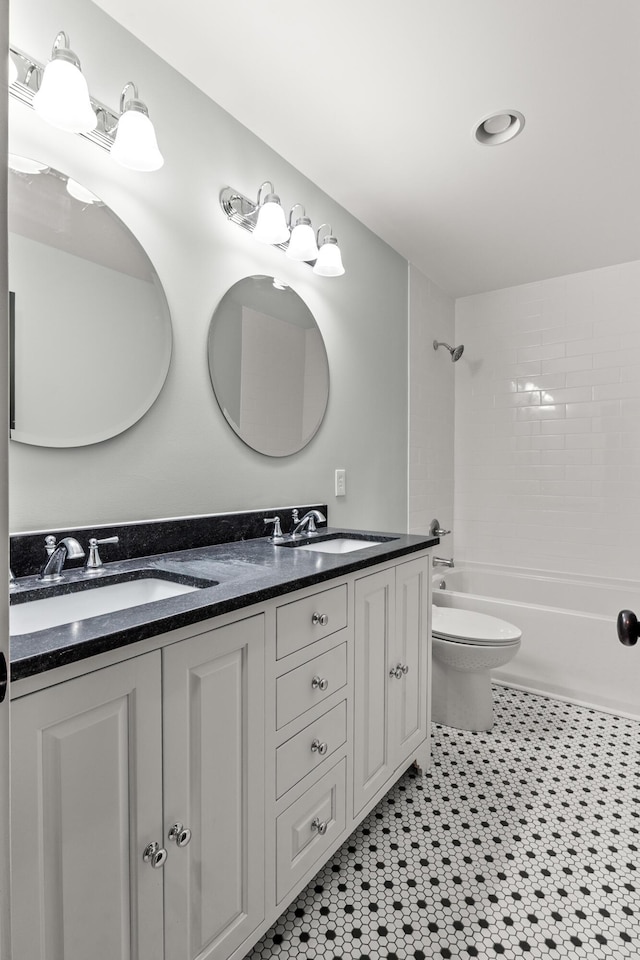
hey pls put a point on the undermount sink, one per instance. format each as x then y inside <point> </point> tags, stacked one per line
<point>339,545</point>
<point>55,611</point>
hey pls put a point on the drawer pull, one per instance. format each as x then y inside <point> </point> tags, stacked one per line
<point>319,683</point>
<point>155,855</point>
<point>319,825</point>
<point>320,619</point>
<point>399,671</point>
<point>181,834</point>
<point>317,747</point>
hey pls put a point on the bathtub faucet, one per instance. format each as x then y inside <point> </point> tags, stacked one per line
<point>441,562</point>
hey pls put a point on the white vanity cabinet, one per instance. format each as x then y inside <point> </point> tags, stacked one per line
<point>246,748</point>
<point>86,779</point>
<point>213,686</point>
<point>109,762</point>
<point>391,674</point>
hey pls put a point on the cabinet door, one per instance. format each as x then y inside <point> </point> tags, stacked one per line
<point>409,710</point>
<point>214,785</point>
<point>86,800</point>
<point>373,761</point>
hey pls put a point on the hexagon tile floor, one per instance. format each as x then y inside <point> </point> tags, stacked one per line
<point>522,842</point>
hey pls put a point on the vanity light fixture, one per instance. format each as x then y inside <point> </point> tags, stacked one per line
<point>59,93</point>
<point>302,243</point>
<point>135,145</point>
<point>329,262</point>
<point>298,239</point>
<point>63,95</point>
<point>271,224</point>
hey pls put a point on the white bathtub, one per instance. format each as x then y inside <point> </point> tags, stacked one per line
<point>569,643</point>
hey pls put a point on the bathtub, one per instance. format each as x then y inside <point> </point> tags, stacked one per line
<point>570,648</point>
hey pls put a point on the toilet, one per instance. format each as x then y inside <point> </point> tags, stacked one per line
<point>466,647</point>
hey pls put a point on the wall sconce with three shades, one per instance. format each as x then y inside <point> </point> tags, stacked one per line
<point>58,93</point>
<point>266,220</point>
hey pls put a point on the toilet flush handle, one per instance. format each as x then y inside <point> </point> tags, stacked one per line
<point>627,628</point>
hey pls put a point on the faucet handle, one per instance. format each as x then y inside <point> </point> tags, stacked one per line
<point>436,530</point>
<point>277,529</point>
<point>94,562</point>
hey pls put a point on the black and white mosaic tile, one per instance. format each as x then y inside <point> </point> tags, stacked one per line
<point>522,842</point>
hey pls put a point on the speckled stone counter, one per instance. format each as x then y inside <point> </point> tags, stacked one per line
<point>243,572</point>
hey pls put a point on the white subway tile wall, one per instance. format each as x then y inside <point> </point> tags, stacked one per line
<point>431,406</point>
<point>547,424</point>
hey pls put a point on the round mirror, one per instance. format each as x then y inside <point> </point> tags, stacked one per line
<point>268,366</point>
<point>90,331</point>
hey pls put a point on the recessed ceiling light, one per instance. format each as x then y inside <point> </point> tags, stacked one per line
<point>499,127</point>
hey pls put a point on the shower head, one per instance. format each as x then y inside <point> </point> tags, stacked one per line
<point>456,352</point>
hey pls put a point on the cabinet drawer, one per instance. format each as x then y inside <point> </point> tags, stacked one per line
<point>311,747</point>
<point>299,843</point>
<point>309,684</point>
<point>304,621</point>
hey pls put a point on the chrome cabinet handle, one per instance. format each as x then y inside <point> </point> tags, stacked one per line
<point>317,747</point>
<point>180,833</point>
<point>319,825</point>
<point>405,669</point>
<point>320,618</point>
<point>154,855</point>
<point>319,683</point>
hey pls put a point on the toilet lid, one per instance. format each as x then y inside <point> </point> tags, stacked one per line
<point>467,626</point>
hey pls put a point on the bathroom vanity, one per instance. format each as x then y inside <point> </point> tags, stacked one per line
<point>182,769</point>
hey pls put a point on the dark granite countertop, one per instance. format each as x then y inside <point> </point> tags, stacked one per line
<point>245,572</point>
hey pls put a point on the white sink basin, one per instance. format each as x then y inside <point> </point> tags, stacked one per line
<point>339,545</point>
<point>67,608</point>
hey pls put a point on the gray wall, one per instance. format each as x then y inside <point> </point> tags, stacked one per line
<point>182,458</point>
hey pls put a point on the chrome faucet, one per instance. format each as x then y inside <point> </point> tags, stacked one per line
<point>58,553</point>
<point>309,521</point>
<point>441,562</point>
<point>93,564</point>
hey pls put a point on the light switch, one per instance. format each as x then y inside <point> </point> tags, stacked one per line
<point>341,483</point>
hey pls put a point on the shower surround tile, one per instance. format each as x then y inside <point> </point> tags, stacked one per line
<point>522,842</point>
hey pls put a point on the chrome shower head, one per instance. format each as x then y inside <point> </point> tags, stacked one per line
<point>456,352</point>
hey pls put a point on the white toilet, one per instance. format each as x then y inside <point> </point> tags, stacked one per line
<point>466,646</point>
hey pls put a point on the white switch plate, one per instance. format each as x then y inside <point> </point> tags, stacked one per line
<point>341,483</point>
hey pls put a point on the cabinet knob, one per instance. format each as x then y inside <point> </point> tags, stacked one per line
<point>320,619</point>
<point>319,683</point>
<point>317,747</point>
<point>154,855</point>
<point>399,671</point>
<point>180,833</point>
<point>319,825</point>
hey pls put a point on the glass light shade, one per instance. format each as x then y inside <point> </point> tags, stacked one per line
<point>135,145</point>
<point>13,70</point>
<point>271,226</point>
<point>63,98</point>
<point>302,245</point>
<point>329,262</point>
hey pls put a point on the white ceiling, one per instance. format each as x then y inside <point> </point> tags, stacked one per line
<point>376,101</point>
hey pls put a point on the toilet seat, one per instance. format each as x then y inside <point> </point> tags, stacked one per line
<point>467,626</point>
